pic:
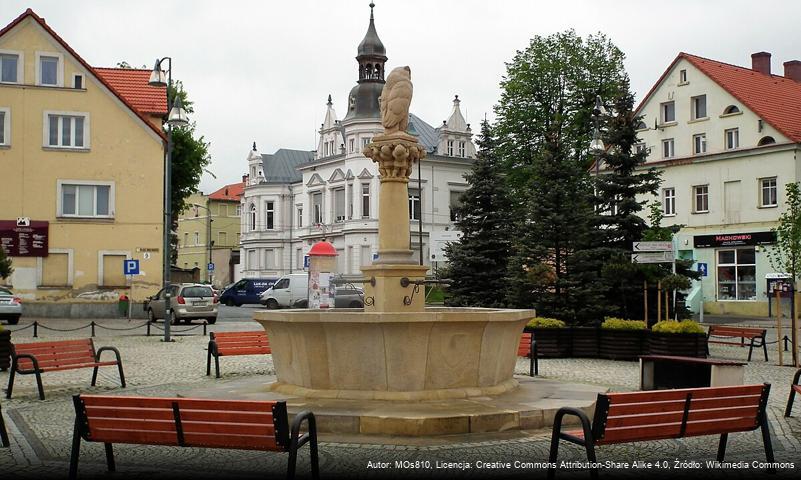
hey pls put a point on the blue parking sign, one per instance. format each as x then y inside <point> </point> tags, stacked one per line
<point>130,267</point>
<point>210,267</point>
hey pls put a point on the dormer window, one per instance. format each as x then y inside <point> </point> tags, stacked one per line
<point>450,148</point>
<point>731,110</point>
<point>767,140</point>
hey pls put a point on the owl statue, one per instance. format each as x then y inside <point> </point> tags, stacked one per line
<point>395,100</point>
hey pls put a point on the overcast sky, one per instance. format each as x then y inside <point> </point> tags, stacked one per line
<point>262,70</point>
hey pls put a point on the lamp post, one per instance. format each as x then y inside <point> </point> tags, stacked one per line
<point>175,118</point>
<point>208,236</point>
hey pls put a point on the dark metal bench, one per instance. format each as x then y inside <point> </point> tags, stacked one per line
<point>38,358</point>
<point>190,422</point>
<point>223,344</point>
<point>742,333</point>
<point>664,414</point>
<point>528,349</point>
<point>794,388</point>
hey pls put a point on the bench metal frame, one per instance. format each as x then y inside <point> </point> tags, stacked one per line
<point>533,355</point>
<point>795,386</point>
<point>594,431</point>
<point>762,343</point>
<point>214,351</point>
<point>38,372</point>
<point>288,438</point>
<point>3,433</point>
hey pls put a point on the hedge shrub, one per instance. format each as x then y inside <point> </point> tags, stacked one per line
<point>684,326</point>
<point>613,323</point>
<point>543,322</point>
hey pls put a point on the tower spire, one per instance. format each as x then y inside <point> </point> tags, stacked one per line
<point>372,5</point>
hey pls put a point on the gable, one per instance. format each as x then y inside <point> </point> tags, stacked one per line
<point>337,176</point>
<point>365,174</point>
<point>315,180</point>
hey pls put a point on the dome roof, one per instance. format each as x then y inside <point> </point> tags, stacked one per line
<point>371,45</point>
<point>322,249</point>
<point>363,100</point>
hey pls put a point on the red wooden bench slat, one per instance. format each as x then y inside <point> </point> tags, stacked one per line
<point>134,436</point>
<point>244,340</point>
<point>58,343</point>
<point>260,343</point>
<point>127,413</point>
<point>641,433</point>
<point>183,403</point>
<point>524,349</point>
<point>203,427</point>
<point>681,393</point>
<point>132,424</point>
<point>253,333</point>
<point>729,328</point>
<point>52,352</point>
<point>72,367</point>
<point>645,408</point>
<point>242,442</point>
<point>710,403</point>
<point>649,419</point>
<point>243,351</point>
<point>58,360</point>
<point>263,418</point>
<point>720,413</point>
<point>712,427</point>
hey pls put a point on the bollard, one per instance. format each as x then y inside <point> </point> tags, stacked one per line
<point>148,329</point>
<point>204,328</point>
<point>93,328</point>
<point>785,342</point>
<point>36,329</point>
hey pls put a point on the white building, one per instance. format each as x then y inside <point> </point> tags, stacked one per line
<point>294,198</point>
<point>727,140</point>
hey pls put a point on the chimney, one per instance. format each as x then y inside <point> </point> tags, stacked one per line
<point>792,70</point>
<point>760,62</point>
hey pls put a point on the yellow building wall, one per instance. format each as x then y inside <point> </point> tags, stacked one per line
<point>122,150</point>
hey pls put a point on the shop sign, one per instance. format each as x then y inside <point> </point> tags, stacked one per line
<point>734,239</point>
<point>24,239</point>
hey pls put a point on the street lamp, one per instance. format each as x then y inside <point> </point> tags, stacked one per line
<point>208,237</point>
<point>597,145</point>
<point>176,118</point>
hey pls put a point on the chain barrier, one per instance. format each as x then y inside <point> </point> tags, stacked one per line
<point>36,325</point>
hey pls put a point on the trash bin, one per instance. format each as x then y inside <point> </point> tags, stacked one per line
<point>122,305</point>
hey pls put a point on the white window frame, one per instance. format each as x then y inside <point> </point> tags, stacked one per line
<point>671,150</point>
<point>87,128</point>
<point>103,253</point>
<point>269,208</point>
<point>669,201</point>
<point>366,141</point>
<point>694,107</point>
<point>365,197</point>
<point>59,68</point>
<point>299,210</point>
<point>702,144</point>
<point>197,239</point>
<point>683,77</point>
<point>20,66</point>
<point>352,144</point>
<point>735,135</point>
<point>317,213</point>
<point>70,267</point>
<point>252,217</point>
<point>6,111</point>
<point>698,194</point>
<point>60,199</point>
<point>336,206</point>
<point>737,265</point>
<point>418,199</point>
<point>763,187</point>
<point>449,144</point>
<point>76,76</point>
<point>663,112</point>
<point>461,149</point>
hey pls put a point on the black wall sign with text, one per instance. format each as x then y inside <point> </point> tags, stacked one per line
<point>734,239</point>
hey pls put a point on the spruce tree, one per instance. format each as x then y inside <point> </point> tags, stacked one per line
<point>477,263</point>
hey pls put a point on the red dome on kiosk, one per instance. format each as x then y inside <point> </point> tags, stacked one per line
<point>322,249</point>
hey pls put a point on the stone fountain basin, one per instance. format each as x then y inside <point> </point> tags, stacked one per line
<point>439,353</point>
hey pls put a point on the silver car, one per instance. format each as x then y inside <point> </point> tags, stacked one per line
<point>10,306</point>
<point>188,301</point>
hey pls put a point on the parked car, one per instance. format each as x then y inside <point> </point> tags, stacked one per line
<point>247,290</point>
<point>286,291</point>
<point>344,297</point>
<point>10,306</point>
<point>188,301</point>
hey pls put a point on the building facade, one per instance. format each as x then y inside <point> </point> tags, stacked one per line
<point>293,198</point>
<point>208,232</point>
<point>78,146</point>
<point>727,140</point>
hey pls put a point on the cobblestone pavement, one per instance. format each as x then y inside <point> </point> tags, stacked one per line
<point>41,431</point>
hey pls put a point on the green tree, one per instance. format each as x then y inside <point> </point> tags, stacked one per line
<point>544,129</point>
<point>785,254</point>
<point>5,264</point>
<point>620,191</point>
<point>477,263</point>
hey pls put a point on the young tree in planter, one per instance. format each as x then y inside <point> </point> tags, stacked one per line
<point>785,254</point>
<point>618,210</point>
<point>477,263</point>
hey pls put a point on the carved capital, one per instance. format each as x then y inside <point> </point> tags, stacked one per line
<point>395,155</point>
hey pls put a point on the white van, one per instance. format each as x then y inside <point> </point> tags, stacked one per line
<point>286,291</point>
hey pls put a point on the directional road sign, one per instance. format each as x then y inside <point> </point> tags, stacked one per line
<point>703,268</point>
<point>652,257</point>
<point>653,247</point>
<point>130,267</point>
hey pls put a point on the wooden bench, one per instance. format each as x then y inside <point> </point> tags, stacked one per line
<point>742,333</point>
<point>528,349</point>
<point>665,371</point>
<point>794,388</point>
<point>3,434</point>
<point>664,414</point>
<point>225,344</point>
<point>190,422</point>
<point>37,358</point>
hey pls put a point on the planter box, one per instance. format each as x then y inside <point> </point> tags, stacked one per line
<point>623,344</point>
<point>586,341</point>
<point>551,342</point>
<point>5,349</point>
<point>678,344</point>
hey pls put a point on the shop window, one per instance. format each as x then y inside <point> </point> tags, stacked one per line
<point>737,274</point>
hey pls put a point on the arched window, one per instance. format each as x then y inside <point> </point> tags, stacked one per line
<point>767,140</point>
<point>378,72</point>
<point>731,109</point>
<point>642,126</point>
<point>252,219</point>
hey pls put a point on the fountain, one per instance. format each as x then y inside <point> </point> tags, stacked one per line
<point>397,367</point>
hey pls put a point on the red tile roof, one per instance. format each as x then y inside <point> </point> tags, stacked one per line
<point>132,84</point>
<point>232,192</point>
<point>30,13</point>
<point>776,99</point>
